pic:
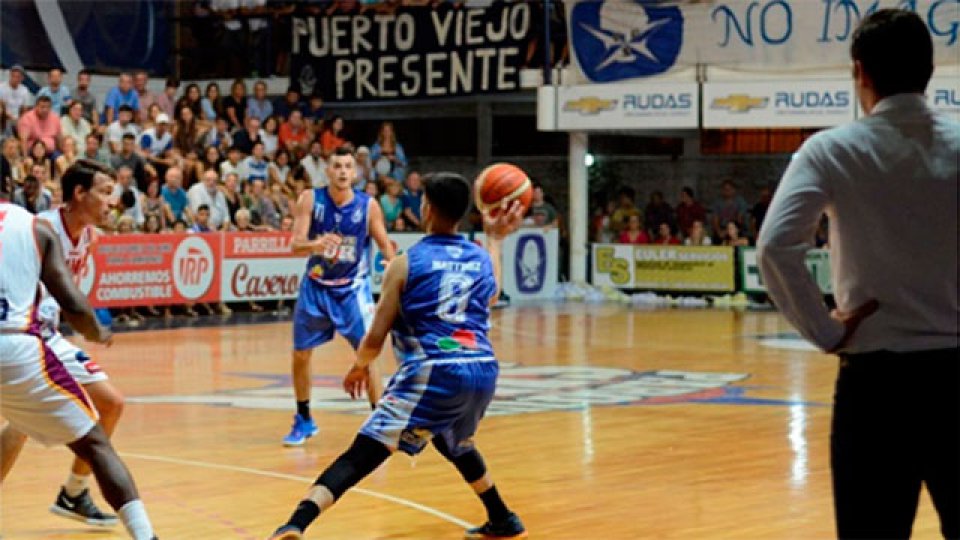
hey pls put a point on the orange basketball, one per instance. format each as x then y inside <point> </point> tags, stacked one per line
<point>502,182</point>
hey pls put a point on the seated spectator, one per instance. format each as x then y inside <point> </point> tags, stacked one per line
<point>235,105</point>
<point>152,203</point>
<point>244,140</point>
<point>33,196</point>
<point>657,212</point>
<point>732,235</point>
<point>315,166</point>
<point>186,136</point>
<point>125,225</point>
<point>262,209</point>
<point>372,190</point>
<point>14,94</point>
<point>254,166</point>
<point>625,210</point>
<point>759,210</point>
<point>87,99</point>
<point>387,154</point>
<point>218,135</point>
<point>56,195</point>
<point>40,164</point>
<point>542,213</point>
<point>211,160</point>
<point>294,134</point>
<point>74,125</point>
<point>191,98</point>
<point>291,102</point>
<point>279,170</point>
<point>124,208</point>
<point>602,232</point>
<point>18,167</point>
<point>270,136</point>
<point>168,99</point>
<point>697,235</point>
<point>174,195</point>
<point>231,193</point>
<point>152,224</point>
<point>125,184</point>
<point>157,141</point>
<point>120,95</point>
<point>206,193</point>
<point>634,233</point>
<point>281,199</point>
<point>190,164</point>
<point>180,226</point>
<point>123,125</point>
<point>331,138</point>
<point>286,224</point>
<point>391,203</point>
<point>94,151</point>
<point>729,207</point>
<point>40,124</point>
<point>365,173</point>
<point>258,105</point>
<point>7,125</point>
<point>243,222</point>
<point>145,97</point>
<point>689,210</point>
<point>58,92</point>
<point>231,165</point>
<point>201,221</point>
<point>665,235</point>
<point>313,112</point>
<point>67,158</point>
<point>142,170</point>
<point>412,198</point>
<point>211,104</point>
<point>150,118</point>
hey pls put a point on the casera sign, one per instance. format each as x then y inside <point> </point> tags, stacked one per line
<point>260,266</point>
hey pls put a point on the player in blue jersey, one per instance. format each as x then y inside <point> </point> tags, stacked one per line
<point>333,225</point>
<point>436,303</point>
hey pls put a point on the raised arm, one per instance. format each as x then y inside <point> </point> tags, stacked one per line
<point>496,229</point>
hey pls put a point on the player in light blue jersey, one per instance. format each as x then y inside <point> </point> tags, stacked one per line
<point>334,226</point>
<point>436,303</point>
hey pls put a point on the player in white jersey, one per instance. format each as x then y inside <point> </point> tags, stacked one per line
<point>37,394</point>
<point>86,204</point>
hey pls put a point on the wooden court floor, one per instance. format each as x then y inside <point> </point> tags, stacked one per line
<point>610,423</point>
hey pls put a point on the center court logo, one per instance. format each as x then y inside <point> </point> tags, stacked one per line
<point>193,267</point>
<point>625,39</point>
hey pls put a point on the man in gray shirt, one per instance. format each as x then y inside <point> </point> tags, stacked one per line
<point>888,184</point>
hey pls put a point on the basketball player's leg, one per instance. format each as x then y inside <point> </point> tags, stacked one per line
<point>11,443</point>
<point>353,319</point>
<point>311,328</point>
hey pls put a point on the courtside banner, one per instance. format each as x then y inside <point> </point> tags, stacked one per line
<point>260,266</point>
<point>778,104</point>
<point>628,106</point>
<point>666,268</point>
<point>943,95</point>
<point>156,269</point>
<point>817,261</point>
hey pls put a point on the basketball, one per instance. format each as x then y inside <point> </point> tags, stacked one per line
<point>502,182</point>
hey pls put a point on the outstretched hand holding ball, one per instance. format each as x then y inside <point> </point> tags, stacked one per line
<point>503,193</point>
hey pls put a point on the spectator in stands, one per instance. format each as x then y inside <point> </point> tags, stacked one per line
<point>152,224</point>
<point>218,135</point>
<point>729,207</point>
<point>73,125</point>
<point>120,127</point>
<point>543,214</point>
<point>126,225</point>
<point>40,124</point>
<point>206,193</point>
<point>122,94</point>
<point>168,99</point>
<point>625,209</point>
<point>634,233</point>
<point>332,136</point>
<point>211,104</point>
<point>657,212</point>
<point>145,97</point>
<point>231,193</point>
<point>665,235</point>
<point>211,160</point>
<point>372,190</point>
<point>66,158</point>
<point>58,92</point>
<point>278,170</point>
<point>235,105</point>
<point>150,120</point>
<point>365,173</point>
<point>7,124</point>
<point>155,142</point>
<point>294,134</point>
<point>33,196</point>
<point>412,198</point>
<point>244,140</point>
<point>291,102</point>
<point>314,112</point>
<point>179,227</point>
<point>689,210</point>
<point>286,224</point>
<point>87,99</point>
<point>191,98</point>
<point>201,222</point>
<point>732,235</point>
<point>258,105</point>
<point>231,165</point>
<point>602,232</point>
<point>40,163</point>
<point>153,204</point>
<point>133,205</point>
<point>391,203</point>
<point>14,94</point>
<point>697,235</point>
<point>387,148</point>
<point>262,207</point>
<point>93,150</point>
<point>242,218</point>
<point>269,136</point>
<point>174,195</point>
<point>254,166</point>
<point>315,166</point>
<point>186,136</point>
<point>17,166</point>
<point>190,164</point>
<point>759,210</point>
<point>281,200</point>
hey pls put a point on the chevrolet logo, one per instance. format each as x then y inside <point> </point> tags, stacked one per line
<point>739,103</point>
<point>590,105</point>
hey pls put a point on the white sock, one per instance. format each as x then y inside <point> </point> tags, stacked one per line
<point>134,518</point>
<point>75,484</point>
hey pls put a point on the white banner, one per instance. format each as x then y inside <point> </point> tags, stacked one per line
<point>619,106</point>
<point>616,40</point>
<point>778,104</point>
<point>261,279</point>
<point>943,95</point>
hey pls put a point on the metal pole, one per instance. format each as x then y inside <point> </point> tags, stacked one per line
<point>547,45</point>
<point>579,191</point>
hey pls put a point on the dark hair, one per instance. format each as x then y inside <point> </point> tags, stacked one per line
<point>30,179</point>
<point>83,72</point>
<point>896,51</point>
<point>342,151</point>
<point>689,191</point>
<point>81,174</point>
<point>128,136</point>
<point>128,198</point>
<point>448,194</point>
<point>172,82</point>
<point>44,98</point>
<point>627,191</point>
<point>203,207</point>
<point>125,107</point>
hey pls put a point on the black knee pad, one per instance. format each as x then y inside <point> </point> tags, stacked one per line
<point>363,456</point>
<point>470,463</point>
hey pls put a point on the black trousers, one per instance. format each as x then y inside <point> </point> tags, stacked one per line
<point>896,427</point>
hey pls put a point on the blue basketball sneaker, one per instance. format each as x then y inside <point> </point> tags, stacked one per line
<point>303,429</point>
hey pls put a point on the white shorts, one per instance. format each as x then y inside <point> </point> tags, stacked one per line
<point>78,363</point>
<point>37,394</point>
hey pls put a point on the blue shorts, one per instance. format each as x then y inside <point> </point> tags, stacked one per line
<point>321,310</point>
<point>443,397</point>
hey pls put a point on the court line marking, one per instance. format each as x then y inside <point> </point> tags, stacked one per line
<point>284,476</point>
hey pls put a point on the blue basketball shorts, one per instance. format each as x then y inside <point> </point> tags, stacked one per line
<point>322,310</point>
<point>444,398</point>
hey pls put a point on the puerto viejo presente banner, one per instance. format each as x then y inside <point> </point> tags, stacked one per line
<point>412,53</point>
<point>778,104</point>
<point>667,268</point>
<point>617,40</point>
<point>634,106</point>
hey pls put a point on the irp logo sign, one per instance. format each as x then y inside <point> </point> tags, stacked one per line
<point>193,267</point>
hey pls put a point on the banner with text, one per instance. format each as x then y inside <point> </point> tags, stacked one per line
<point>413,53</point>
<point>818,261</point>
<point>617,40</point>
<point>668,268</point>
<point>620,106</point>
<point>943,95</point>
<point>778,104</point>
<point>260,266</point>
